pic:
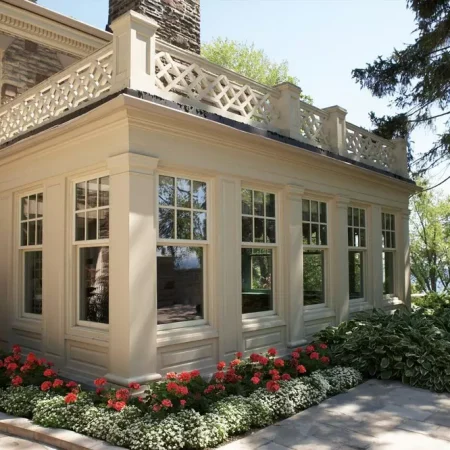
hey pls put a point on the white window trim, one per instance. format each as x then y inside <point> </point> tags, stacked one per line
<point>275,247</point>
<point>75,323</point>
<point>187,325</point>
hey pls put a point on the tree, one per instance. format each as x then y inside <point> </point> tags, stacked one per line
<point>417,78</point>
<point>249,61</point>
<point>430,245</point>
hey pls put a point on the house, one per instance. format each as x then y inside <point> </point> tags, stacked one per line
<point>160,213</point>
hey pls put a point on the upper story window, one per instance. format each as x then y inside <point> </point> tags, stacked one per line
<point>315,241</point>
<point>181,250</point>
<point>389,246</point>
<point>357,251</point>
<point>92,245</point>
<point>258,250</point>
<point>31,236</point>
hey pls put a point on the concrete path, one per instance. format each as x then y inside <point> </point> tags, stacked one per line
<point>14,443</point>
<point>376,415</point>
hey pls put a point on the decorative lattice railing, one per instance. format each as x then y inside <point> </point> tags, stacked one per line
<point>196,79</point>
<point>312,125</point>
<point>361,145</point>
<point>79,84</point>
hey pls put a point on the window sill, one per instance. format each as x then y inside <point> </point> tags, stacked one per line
<point>260,323</point>
<point>359,305</point>
<point>315,313</point>
<point>185,334</point>
<point>88,335</point>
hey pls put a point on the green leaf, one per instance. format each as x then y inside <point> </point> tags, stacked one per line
<point>384,363</point>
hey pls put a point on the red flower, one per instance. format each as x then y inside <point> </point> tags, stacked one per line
<point>185,377</point>
<point>325,359</point>
<point>118,406</point>
<point>195,373</point>
<point>100,382</point>
<point>123,394</point>
<point>46,385</point>
<point>183,390</point>
<point>49,373</point>
<point>258,374</point>
<point>172,387</point>
<point>1,363</point>
<point>314,355</point>
<point>286,377</point>
<point>31,358</point>
<point>17,381</point>
<point>235,362</point>
<point>171,376</point>
<point>70,398</point>
<point>16,349</point>
<point>263,360</point>
<point>99,391</point>
<point>301,369</point>
<point>182,402</point>
<point>72,384</point>
<point>299,349</point>
<point>295,355</point>
<point>239,355</point>
<point>25,368</point>
<point>254,357</point>
<point>310,349</point>
<point>323,346</point>
<point>255,380</point>
<point>273,372</point>
<point>134,386</point>
<point>221,365</point>
<point>12,367</point>
<point>272,386</point>
<point>167,403</point>
<point>279,362</point>
<point>272,351</point>
<point>58,383</point>
<point>9,359</point>
<point>219,376</point>
<point>156,408</point>
<point>141,399</point>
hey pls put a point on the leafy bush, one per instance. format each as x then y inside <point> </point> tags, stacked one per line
<point>433,301</point>
<point>411,347</point>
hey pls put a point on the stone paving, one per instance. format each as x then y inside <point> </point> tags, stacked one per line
<point>376,415</point>
<point>14,443</point>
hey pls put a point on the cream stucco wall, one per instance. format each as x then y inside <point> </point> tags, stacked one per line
<point>133,140</point>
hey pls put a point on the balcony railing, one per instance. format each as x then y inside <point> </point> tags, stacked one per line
<point>187,78</point>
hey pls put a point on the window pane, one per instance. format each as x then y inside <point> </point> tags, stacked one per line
<point>259,203</point>
<point>257,289</point>
<point>350,216</point>
<point>183,225</point>
<point>270,205</point>
<point>383,238</point>
<point>383,221</point>
<point>323,212</point>
<point>92,193</point>
<point>32,233</point>
<point>259,230</point>
<point>24,208</point>
<point>40,204</point>
<point>306,211</point>
<point>315,234</point>
<point>314,211</point>
<point>39,232</point>
<point>247,229</point>
<point>179,284</point>
<point>313,278</point>
<point>103,192</point>
<point>393,239</point>
<point>91,224</point>
<point>355,217</point>
<point>94,284</point>
<point>323,235</point>
<point>166,191</point>
<point>80,226</point>
<point>362,218</point>
<point>388,239</point>
<point>166,223</point>
<point>362,233</point>
<point>103,224</point>
<point>33,282</point>
<point>356,274</point>
<point>270,231</point>
<point>392,222</point>
<point>200,226</point>
<point>350,237</point>
<point>32,211</point>
<point>388,273</point>
<point>306,233</point>
<point>199,195</point>
<point>24,234</point>
<point>183,193</point>
<point>247,195</point>
<point>356,238</point>
<point>80,190</point>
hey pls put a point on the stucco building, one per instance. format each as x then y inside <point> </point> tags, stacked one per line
<point>159,212</point>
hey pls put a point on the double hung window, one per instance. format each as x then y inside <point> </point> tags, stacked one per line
<point>357,255</point>
<point>389,246</point>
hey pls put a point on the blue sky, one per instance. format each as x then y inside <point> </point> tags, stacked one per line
<point>323,40</point>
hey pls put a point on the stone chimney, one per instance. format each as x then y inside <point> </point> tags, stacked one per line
<point>178,20</point>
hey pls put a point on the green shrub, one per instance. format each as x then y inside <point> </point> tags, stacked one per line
<point>433,300</point>
<point>411,347</point>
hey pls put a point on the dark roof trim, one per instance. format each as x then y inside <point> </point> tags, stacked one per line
<point>209,116</point>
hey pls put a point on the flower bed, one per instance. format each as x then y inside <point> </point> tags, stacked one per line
<point>181,411</point>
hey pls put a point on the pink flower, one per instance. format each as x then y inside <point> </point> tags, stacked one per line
<point>235,362</point>
<point>46,385</point>
<point>301,369</point>
<point>185,377</point>
<point>310,349</point>
<point>239,355</point>
<point>221,365</point>
<point>25,368</point>
<point>123,394</point>
<point>286,377</point>
<point>141,399</point>
<point>17,381</point>
<point>134,386</point>
<point>167,403</point>
<point>49,373</point>
<point>58,383</point>
<point>16,349</point>
<point>279,362</point>
<point>255,380</point>
<point>323,346</point>
<point>118,406</point>
<point>156,408</point>
<point>72,384</point>
<point>11,367</point>
<point>263,360</point>
<point>325,359</point>
<point>295,355</point>
<point>195,373</point>
<point>171,376</point>
<point>219,376</point>
<point>272,386</point>
<point>314,355</point>
<point>100,382</point>
<point>182,402</point>
<point>70,398</point>
<point>272,351</point>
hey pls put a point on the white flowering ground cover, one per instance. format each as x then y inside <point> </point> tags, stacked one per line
<point>187,429</point>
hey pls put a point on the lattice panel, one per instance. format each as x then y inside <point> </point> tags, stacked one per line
<point>192,81</point>
<point>312,126</point>
<point>63,92</point>
<point>367,148</point>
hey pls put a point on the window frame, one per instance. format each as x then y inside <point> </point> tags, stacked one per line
<point>274,246</point>
<point>204,244</point>
<point>364,250</point>
<point>23,249</point>
<point>77,245</point>
<point>314,247</point>
<point>393,251</point>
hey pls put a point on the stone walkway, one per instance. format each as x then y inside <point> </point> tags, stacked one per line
<point>14,443</point>
<point>375,415</point>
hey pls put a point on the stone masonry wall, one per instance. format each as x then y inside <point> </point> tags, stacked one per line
<point>179,20</point>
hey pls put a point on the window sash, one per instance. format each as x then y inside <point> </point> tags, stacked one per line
<point>23,275</point>
<point>323,253</point>
<point>362,273</point>
<point>392,253</point>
